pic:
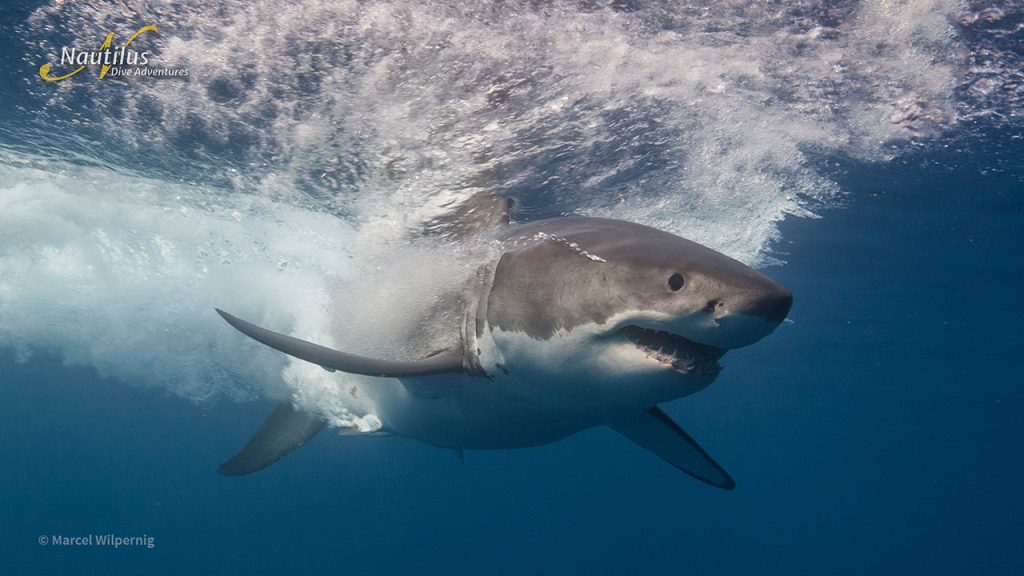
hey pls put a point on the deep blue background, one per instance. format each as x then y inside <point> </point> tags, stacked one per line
<point>878,433</point>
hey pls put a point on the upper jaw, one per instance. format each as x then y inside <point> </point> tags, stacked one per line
<point>678,352</point>
<point>695,327</point>
<point>724,332</point>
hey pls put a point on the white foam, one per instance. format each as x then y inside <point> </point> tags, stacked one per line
<point>122,273</point>
<point>699,122</point>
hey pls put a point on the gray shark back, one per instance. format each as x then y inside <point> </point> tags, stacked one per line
<point>561,273</point>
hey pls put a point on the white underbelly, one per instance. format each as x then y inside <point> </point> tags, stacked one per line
<point>475,413</point>
<point>535,392</point>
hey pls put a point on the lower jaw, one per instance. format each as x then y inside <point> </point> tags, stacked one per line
<point>664,384</point>
<point>684,357</point>
<point>690,366</point>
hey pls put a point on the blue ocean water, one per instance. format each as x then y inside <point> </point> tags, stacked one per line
<point>877,432</point>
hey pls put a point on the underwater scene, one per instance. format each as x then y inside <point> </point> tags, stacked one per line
<point>538,287</point>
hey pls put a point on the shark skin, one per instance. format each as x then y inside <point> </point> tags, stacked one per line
<point>576,322</point>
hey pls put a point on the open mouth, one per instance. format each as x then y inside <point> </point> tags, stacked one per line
<point>683,355</point>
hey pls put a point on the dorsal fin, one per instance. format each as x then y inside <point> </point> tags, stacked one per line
<point>450,360</point>
<point>481,212</point>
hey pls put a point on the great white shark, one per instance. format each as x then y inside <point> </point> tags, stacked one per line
<point>573,322</point>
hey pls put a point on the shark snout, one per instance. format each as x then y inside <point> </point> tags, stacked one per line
<point>742,319</point>
<point>768,302</point>
<point>771,307</point>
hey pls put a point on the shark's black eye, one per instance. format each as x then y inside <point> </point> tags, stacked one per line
<point>675,282</point>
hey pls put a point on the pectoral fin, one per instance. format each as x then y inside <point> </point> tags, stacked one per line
<point>656,432</point>
<point>444,361</point>
<point>286,429</point>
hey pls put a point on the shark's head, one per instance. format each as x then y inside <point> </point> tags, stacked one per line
<point>621,302</point>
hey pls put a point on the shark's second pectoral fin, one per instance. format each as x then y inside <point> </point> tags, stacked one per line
<point>655,431</point>
<point>286,429</point>
<point>441,362</point>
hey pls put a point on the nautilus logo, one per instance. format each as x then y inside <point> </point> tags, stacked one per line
<point>112,59</point>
